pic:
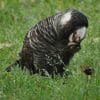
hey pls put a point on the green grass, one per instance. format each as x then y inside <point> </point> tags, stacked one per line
<point>16,18</point>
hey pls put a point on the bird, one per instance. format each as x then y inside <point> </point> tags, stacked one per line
<point>50,44</point>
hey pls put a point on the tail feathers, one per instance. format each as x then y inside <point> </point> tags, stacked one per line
<point>10,67</point>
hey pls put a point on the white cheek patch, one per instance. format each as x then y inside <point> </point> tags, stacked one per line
<point>81,32</point>
<point>65,18</point>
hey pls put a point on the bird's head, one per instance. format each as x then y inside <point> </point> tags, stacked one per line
<point>72,28</point>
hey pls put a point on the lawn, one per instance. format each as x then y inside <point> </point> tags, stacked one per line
<point>16,18</point>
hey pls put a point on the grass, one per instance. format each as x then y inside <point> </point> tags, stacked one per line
<point>16,18</point>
